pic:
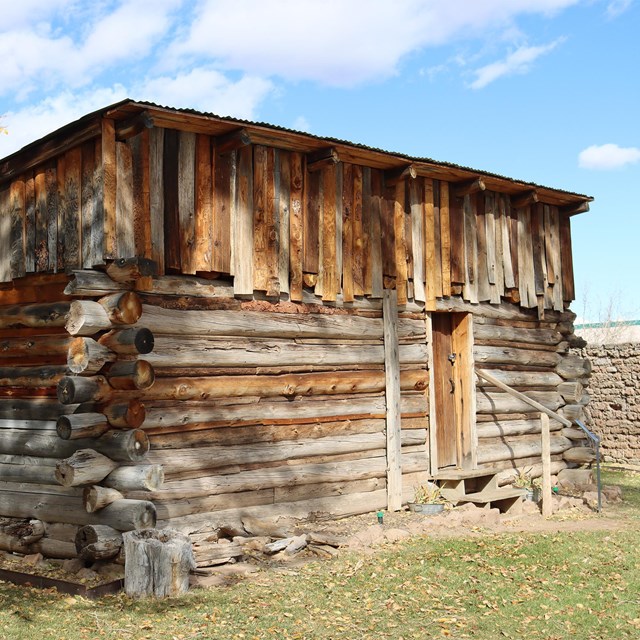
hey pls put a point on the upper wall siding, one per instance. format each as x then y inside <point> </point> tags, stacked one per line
<point>258,214</point>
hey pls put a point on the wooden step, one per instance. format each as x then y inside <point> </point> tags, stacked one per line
<point>485,497</point>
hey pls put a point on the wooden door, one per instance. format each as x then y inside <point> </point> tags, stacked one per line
<point>452,398</point>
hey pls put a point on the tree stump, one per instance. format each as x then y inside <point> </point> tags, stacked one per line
<point>157,563</point>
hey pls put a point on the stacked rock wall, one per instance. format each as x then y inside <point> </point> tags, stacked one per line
<point>614,409</point>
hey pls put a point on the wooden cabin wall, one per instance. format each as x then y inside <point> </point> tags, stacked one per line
<point>280,223</point>
<point>256,411</point>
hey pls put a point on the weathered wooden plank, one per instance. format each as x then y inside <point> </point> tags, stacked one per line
<point>367,238</point>
<point>125,228</point>
<point>284,223</point>
<point>470,289</point>
<point>186,200</point>
<point>445,238</point>
<point>260,197</point>
<point>505,228</point>
<point>17,206</point>
<point>512,214</point>
<point>296,199</point>
<point>203,204</point>
<point>5,235</point>
<point>494,270</point>
<point>399,242</point>
<point>456,226</point>
<point>109,186</point>
<point>88,203</point>
<point>482,272</point>
<point>329,234</point>
<point>512,355</point>
<point>171,219</point>
<point>243,253</point>
<point>430,245</point>
<point>62,211</point>
<point>156,196</point>
<point>41,248</point>
<point>377,270</point>
<point>29,224</point>
<point>311,216</point>
<point>357,246</point>
<point>538,247</point>
<point>51,185</point>
<point>224,171</point>
<point>527,286</point>
<point>554,234</point>
<point>437,231</point>
<point>568,285</point>
<point>139,145</point>
<point>392,396</point>
<point>347,233</point>
<point>418,239</point>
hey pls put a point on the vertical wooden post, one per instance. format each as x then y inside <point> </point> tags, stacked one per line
<point>392,393</point>
<point>546,466</point>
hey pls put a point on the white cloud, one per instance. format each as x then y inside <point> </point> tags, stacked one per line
<point>301,124</point>
<point>208,90</point>
<point>339,42</point>
<point>517,62</point>
<point>618,7</point>
<point>37,120</point>
<point>608,156</point>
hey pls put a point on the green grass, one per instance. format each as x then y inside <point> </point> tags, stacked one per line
<point>537,586</point>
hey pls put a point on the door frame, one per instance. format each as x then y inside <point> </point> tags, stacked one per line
<point>465,393</point>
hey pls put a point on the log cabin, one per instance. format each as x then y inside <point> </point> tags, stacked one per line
<point>204,319</point>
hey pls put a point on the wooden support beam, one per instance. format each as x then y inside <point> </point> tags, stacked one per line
<point>133,126</point>
<point>393,176</point>
<point>232,141</point>
<point>323,158</point>
<point>461,189</point>
<point>547,509</point>
<point>574,209</point>
<point>392,394</point>
<point>524,199</point>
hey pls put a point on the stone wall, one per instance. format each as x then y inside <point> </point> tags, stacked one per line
<point>614,410</point>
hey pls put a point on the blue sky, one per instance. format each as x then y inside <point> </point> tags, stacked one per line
<point>542,90</point>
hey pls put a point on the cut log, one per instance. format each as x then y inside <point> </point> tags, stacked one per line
<point>29,469</point>
<point>31,377</point>
<point>508,355</point>
<point>123,515</point>
<point>307,384</point>
<point>492,402</point>
<point>208,554</point>
<point>574,367</point>
<point>33,408</point>
<point>76,390</point>
<point>573,412</point>
<point>516,334</point>
<point>574,433</point>
<point>34,316</point>
<point>129,270</point>
<point>81,425</point>
<point>87,317</point>
<point>83,467</point>
<point>534,470</point>
<point>123,446</point>
<point>505,428</point>
<point>523,378</point>
<point>136,478</point>
<point>157,563</point>
<point>125,415</point>
<point>96,497</point>
<point>130,375</point>
<point>580,455</point>
<point>514,448</point>
<point>572,392</point>
<point>98,542</point>
<point>128,341</point>
<point>23,532</point>
<point>122,307</point>
<point>86,356</point>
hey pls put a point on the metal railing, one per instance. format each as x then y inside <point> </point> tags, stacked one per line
<point>595,442</point>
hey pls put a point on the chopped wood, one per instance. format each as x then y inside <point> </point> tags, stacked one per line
<point>86,356</point>
<point>148,477</point>
<point>83,467</point>
<point>96,497</point>
<point>127,375</point>
<point>95,542</point>
<point>82,425</point>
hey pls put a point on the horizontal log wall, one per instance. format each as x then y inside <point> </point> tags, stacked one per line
<point>281,410</point>
<point>282,223</point>
<point>532,357</point>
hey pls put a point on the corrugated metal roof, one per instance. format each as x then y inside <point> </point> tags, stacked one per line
<point>249,123</point>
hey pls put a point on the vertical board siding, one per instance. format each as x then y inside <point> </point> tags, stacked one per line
<point>5,234</point>
<point>256,214</point>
